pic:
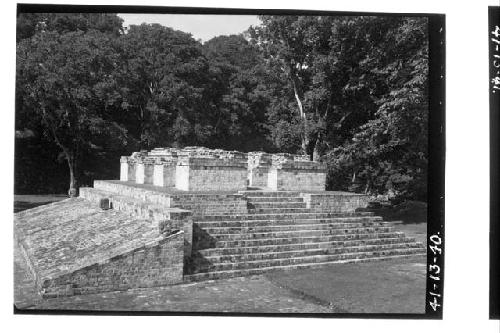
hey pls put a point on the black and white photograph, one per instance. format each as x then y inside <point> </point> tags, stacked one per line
<point>228,162</point>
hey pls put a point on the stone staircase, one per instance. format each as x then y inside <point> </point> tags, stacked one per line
<point>253,232</point>
<point>279,232</point>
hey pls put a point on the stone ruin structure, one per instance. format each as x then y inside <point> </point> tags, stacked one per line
<point>183,215</point>
<point>203,169</point>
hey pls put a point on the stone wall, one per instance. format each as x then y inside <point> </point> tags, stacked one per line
<point>144,171</point>
<point>258,169</point>
<point>338,202</point>
<point>164,173</point>
<point>158,263</point>
<point>203,169</point>
<point>203,174</point>
<point>296,173</point>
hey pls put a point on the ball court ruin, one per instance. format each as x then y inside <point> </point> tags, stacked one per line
<point>192,214</point>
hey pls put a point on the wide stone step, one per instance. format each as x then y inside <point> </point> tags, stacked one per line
<point>273,210</point>
<point>339,255</point>
<point>211,209</point>
<point>301,246</point>
<point>285,259</point>
<point>354,257</point>
<point>274,199</point>
<point>231,229</point>
<point>276,205</point>
<point>282,222</point>
<point>282,216</point>
<point>270,194</point>
<point>300,233</point>
<point>305,239</point>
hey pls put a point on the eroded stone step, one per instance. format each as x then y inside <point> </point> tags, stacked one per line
<point>282,216</point>
<point>270,194</point>
<point>348,258</point>
<point>285,222</point>
<point>276,205</point>
<point>300,233</point>
<point>307,239</point>
<point>301,246</point>
<point>289,258</point>
<point>344,248</point>
<point>274,199</point>
<point>341,254</point>
<point>278,210</point>
<point>231,229</point>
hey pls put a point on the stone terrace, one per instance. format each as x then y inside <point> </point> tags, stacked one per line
<point>200,221</point>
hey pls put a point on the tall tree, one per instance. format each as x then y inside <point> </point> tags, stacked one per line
<point>29,23</point>
<point>163,77</point>
<point>239,94</point>
<point>389,150</point>
<point>60,80</point>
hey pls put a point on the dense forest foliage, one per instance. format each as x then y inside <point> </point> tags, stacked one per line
<point>348,91</point>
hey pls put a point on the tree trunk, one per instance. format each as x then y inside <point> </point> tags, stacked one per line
<point>302,114</point>
<point>73,179</point>
<point>315,156</point>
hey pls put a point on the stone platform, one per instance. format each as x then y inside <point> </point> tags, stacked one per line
<point>160,235</point>
<point>73,247</point>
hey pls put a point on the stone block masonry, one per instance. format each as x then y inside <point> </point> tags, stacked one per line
<point>214,170</point>
<point>338,202</point>
<point>258,168</point>
<point>296,173</point>
<point>164,173</point>
<point>203,169</point>
<point>74,247</point>
<point>144,171</point>
<point>157,263</point>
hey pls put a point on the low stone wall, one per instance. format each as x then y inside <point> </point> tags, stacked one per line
<point>296,173</point>
<point>206,174</point>
<point>296,180</point>
<point>338,202</point>
<point>134,192</point>
<point>158,263</point>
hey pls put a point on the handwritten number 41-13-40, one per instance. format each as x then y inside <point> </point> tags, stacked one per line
<point>496,58</point>
<point>435,242</point>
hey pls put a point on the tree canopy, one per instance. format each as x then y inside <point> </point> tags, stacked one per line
<point>349,91</point>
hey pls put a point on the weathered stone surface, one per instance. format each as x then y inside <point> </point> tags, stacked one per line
<point>218,173</point>
<point>72,246</point>
<point>258,168</point>
<point>296,173</point>
<point>164,172</point>
<point>336,201</point>
<point>202,169</point>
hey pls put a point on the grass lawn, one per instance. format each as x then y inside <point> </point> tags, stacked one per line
<point>389,286</point>
<point>27,201</point>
